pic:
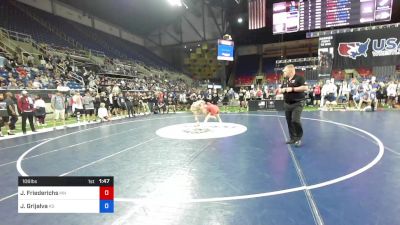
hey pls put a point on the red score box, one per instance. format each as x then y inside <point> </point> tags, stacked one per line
<point>107,193</point>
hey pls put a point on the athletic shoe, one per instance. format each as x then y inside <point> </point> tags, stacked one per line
<point>297,143</point>
<point>289,142</point>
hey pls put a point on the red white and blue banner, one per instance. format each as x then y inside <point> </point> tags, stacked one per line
<point>257,14</point>
<point>375,47</point>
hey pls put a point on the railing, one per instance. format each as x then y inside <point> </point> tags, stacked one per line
<point>72,74</point>
<point>6,36</point>
<point>39,47</point>
<point>17,36</point>
<point>5,43</point>
<point>68,51</point>
<point>21,37</point>
<point>78,78</point>
<point>97,53</point>
<point>75,52</point>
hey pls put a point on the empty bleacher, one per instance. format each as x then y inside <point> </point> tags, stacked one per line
<point>12,18</point>
<point>45,27</point>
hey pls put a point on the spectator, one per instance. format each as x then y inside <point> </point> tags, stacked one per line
<point>259,94</point>
<point>88,105</point>
<point>122,104</point>
<point>36,83</point>
<point>114,104</point>
<point>242,93</point>
<point>353,87</point>
<point>59,106</point>
<point>103,113</point>
<point>11,109</point>
<point>328,93</point>
<point>215,98</point>
<point>25,106</point>
<point>97,101</point>
<point>380,94</point>
<point>61,87</point>
<point>317,94</point>
<point>391,93</point>
<point>344,92</point>
<point>45,81</point>
<point>365,96</point>
<point>136,104</point>
<point>145,103</point>
<point>104,99</point>
<point>12,85</point>
<point>4,116</point>
<point>171,103</point>
<point>129,105</point>
<point>40,111</point>
<point>116,89</point>
<point>162,106</point>
<point>77,106</point>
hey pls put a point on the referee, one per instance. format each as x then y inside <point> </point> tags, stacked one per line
<point>293,88</point>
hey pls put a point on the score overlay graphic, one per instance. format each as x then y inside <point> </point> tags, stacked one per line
<point>65,194</point>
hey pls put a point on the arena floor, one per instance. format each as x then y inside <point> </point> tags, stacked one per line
<point>346,173</point>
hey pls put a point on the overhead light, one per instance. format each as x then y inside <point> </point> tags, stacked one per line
<point>175,3</point>
<point>185,46</point>
<point>240,20</point>
<point>198,45</point>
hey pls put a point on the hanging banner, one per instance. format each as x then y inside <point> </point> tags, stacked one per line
<point>325,56</point>
<point>370,48</point>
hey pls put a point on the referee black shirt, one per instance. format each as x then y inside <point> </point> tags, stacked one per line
<point>293,97</point>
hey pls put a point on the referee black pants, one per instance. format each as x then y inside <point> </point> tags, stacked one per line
<point>293,114</point>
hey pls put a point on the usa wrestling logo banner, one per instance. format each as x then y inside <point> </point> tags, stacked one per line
<point>367,48</point>
<point>354,49</point>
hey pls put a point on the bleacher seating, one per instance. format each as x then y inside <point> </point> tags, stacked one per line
<point>244,80</point>
<point>14,19</point>
<point>74,85</point>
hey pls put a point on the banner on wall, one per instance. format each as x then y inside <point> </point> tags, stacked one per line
<point>367,48</point>
<point>325,56</point>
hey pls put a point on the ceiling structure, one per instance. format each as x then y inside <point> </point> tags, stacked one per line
<point>137,16</point>
<point>152,18</point>
<point>200,22</point>
<point>204,20</point>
